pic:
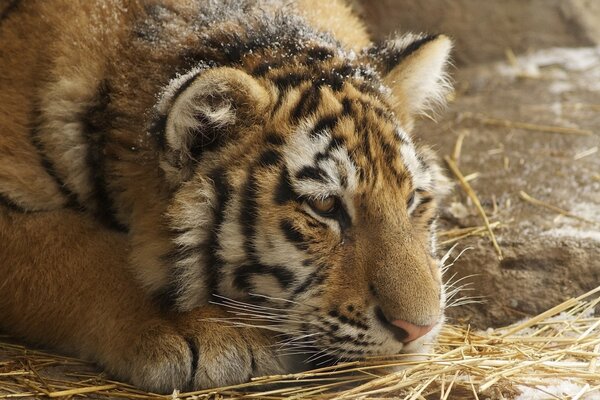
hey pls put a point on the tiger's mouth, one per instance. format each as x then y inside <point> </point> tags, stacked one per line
<point>378,341</point>
<point>318,337</point>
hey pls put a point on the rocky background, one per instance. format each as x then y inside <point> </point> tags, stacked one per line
<point>524,71</point>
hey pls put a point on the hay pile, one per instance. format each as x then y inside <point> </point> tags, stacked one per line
<point>554,355</point>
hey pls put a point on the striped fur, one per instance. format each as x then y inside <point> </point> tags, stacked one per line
<point>200,134</point>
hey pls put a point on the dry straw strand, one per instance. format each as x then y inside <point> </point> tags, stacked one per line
<point>505,123</point>
<point>471,193</point>
<point>559,210</point>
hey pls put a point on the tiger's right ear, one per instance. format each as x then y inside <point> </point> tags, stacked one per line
<point>202,112</point>
<point>414,67</point>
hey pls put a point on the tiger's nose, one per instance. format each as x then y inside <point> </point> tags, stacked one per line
<point>413,332</point>
<point>403,331</point>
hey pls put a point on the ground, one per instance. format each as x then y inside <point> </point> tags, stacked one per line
<point>546,257</point>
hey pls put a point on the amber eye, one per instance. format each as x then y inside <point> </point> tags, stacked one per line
<point>323,206</point>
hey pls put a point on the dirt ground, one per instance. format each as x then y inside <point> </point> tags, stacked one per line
<point>547,257</point>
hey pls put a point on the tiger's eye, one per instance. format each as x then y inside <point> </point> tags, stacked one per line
<point>324,205</point>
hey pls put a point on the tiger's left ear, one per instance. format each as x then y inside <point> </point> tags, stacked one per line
<point>414,67</point>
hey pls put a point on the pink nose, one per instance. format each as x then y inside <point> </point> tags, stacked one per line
<point>414,331</point>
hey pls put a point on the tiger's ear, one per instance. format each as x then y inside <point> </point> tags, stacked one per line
<point>203,112</point>
<point>414,68</point>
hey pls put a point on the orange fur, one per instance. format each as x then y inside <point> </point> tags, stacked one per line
<point>119,115</point>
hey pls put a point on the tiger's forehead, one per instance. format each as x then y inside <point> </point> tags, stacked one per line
<point>351,142</point>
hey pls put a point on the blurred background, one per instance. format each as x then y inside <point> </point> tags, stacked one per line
<point>523,128</point>
<point>483,30</point>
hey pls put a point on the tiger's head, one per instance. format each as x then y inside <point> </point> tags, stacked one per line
<point>298,189</point>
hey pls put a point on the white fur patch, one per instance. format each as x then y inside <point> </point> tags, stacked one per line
<point>165,99</point>
<point>301,152</point>
<point>421,78</point>
<point>421,178</point>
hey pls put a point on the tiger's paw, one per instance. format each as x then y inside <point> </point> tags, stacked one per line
<point>192,352</point>
<point>226,355</point>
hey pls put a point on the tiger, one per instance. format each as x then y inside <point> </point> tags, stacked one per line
<point>191,188</point>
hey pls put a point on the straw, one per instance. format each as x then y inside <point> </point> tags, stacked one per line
<point>558,345</point>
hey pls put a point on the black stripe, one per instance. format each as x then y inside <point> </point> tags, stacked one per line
<point>97,123</point>
<point>269,158</point>
<point>329,326</point>
<point>392,56</point>
<point>350,339</point>
<point>362,126</point>
<point>244,273</point>
<point>431,220</point>
<point>223,193</point>
<point>422,207</point>
<point>195,353</point>
<point>249,213</point>
<point>334,143</point>
<point>346,106</point>
<point>316,278</point>
<point>349,321</point>
<point>325,123</point>
<point>48,166</point>
<point>289,80</point>
<point>416,45</point>
<point>293,234</point>
<point>315,224</point>
<point>369,87</point>
<point>319,53</point>
<point>284,192</point>
<point>312,173</point>
<point>275,139</point>
<point>308,103</point>
<point>264,67</point>
<point>342,216</point>
<point>157,131</point>
<point>181,253</point>
<point>425,200</point>
<point>8,203</point>
<point>166,297</point>
<point>10,7</point>
<point>334,79</point>
<point>346,352</point>
<point>184,86</point>
<point>253,363</point>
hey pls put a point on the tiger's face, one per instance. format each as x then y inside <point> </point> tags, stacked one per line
<point>306,206</point>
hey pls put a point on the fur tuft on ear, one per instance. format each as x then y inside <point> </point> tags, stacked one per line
<point>203,112</point>
<point>414,67</point>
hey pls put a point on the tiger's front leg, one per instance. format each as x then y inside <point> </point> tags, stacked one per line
<point>189,352</point>
<point>66,284</point>
<point>224,354</point>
